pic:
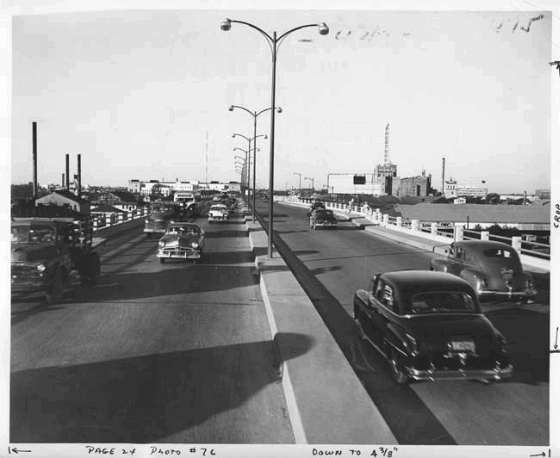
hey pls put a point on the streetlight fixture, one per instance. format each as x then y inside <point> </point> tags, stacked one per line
<point>274,42</point>
<point>255,115</point>
<point>249,140</point>
<point>298,174</point>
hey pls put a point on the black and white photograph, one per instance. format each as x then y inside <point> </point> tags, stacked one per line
<point>288,229</point>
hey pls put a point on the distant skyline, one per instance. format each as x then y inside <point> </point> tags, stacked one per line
<point>144,95</point>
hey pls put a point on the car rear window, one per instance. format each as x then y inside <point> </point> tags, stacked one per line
<point>499,253</point>
<point>442,301</point>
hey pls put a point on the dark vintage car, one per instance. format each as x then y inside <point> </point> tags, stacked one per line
<point>161,215</point>
<point>429,326</point>
<point>493,269</point>
<point>322,217</point>
<point>314,206</point>
<point>181,241</point>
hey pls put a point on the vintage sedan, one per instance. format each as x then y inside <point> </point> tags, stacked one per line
<point>493,269</point>
<point>218,212</point>
<point>314,206</point>
<point>322,218</point>
<point>429,326</point>
<point>181,241</point>
<point>161,215</point>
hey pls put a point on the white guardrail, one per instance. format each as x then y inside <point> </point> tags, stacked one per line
<point>531,253</point>
<point>101,222</point>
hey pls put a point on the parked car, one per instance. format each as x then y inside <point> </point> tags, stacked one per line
<point>315,206</point>
<point>321,217</point>
<point>181,241</point>
<point>493,269</point>
<point>429,326</point>
<point>218,212</point>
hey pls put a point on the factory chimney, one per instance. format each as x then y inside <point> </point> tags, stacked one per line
<point>62,180</point>
<point>443,176</point>
<point>79,175</point>
<point>35,185</point>
<point>67,172</point>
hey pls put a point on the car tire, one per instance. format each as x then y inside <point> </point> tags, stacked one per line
<point>398,375</point>
<point>162,260</point>
<point>54,293</point>
<point>91,270</point>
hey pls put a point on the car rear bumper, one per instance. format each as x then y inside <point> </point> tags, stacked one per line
<point>497,373</point>
<point>529,293</point>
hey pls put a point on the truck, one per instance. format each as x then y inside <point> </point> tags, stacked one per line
<point>51,249</point>
<point>189,201</point>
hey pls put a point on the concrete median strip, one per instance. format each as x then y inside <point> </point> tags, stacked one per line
<point>326,401</point>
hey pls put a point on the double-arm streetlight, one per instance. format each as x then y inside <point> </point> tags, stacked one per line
<point>312,182</point>
<point>255,115</point>
<point>299,175</point>
<point>248,152</point>
<point>274,43</point>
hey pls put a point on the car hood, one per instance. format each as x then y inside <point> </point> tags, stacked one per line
<point>35,252</point>
<point>433,332</point>
<point>173,239</point>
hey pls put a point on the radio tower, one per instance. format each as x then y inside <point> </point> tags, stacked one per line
<point>386,156</point>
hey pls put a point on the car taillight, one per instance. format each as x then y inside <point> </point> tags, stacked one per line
<point>501,343</point>
<point>481,285</point>
<point>529,282</point>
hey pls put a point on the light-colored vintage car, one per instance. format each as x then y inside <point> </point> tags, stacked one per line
<point>181,241</point>
<point>218,212</point>
<point>493,269</point>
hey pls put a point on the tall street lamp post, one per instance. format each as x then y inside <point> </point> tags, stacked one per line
<point>274,42</point>
<point>299,175</point>
<point>246,164</point>
<point>249,140</point>
<point>241,161</point>
<point>312,182</point>
<point>255,115</point>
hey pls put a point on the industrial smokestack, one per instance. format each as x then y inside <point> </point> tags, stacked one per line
<point>62,184</point>
<point>79,175</point>
<point>443,176</point>
<point>68,172</point>
<point>35,184</point>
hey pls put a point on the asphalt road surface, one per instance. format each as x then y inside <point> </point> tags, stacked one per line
<point>169,353</point>
<point>332,264</point>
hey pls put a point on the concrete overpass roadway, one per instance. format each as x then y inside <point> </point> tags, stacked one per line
<point>174,353</point>
<point>331,265</point>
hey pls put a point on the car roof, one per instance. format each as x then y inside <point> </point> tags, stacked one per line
<point>425,280</point>
<point>479,245</point>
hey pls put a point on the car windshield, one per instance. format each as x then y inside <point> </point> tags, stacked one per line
<point>26,233</point>
<point>442,301</point>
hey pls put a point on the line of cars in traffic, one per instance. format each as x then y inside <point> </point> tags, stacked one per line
<point>429,324</point>
<point>180,238</point>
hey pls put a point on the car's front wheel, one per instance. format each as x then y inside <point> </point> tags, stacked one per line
<point>398,375</point>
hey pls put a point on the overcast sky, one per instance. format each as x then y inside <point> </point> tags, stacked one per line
<point>145,95</point>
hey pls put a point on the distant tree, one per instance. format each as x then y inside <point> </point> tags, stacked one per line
<point>492,198</point>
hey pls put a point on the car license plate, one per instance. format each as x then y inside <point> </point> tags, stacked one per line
<point>463,346</point>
